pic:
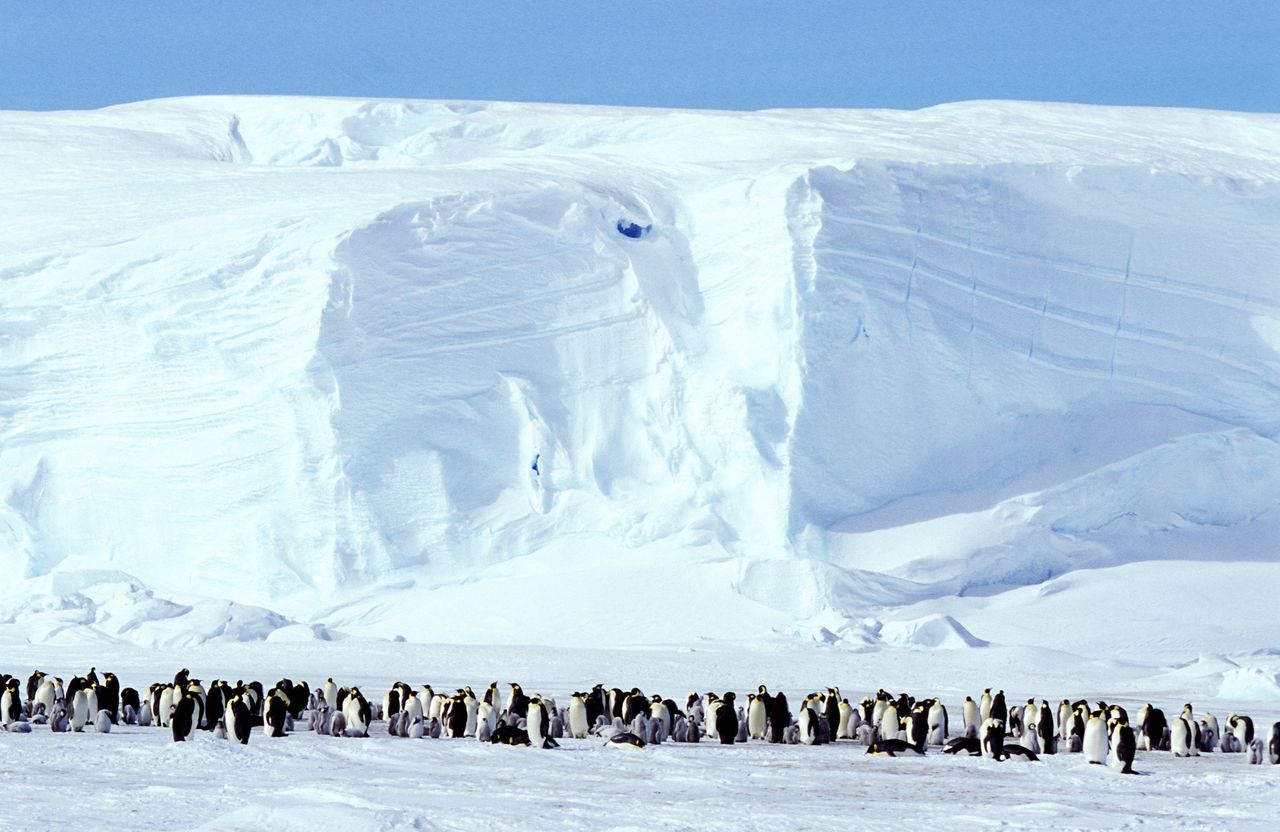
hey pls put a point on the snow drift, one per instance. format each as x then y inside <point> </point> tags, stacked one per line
<point>376,364</point>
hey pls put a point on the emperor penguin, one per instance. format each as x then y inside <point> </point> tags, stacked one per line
<point>9,705</point>
<point>103,723</point>
<point>1209,731</point>
<point>845,727</point>
<point>1181,738</point>
<point>1123,746</point>
<point>1273,745</point>
<point>486,718</point>
<point>1064,720</point>
<point>808,724</point>
<point>1153,728</point>
<point>238,719</point>
<point>658,710</point>
<point>536,723</point>
<point>518,703</point>
<point>984,707</point>
<point>1257,753</point>
<point>757,717</point>
<point>472,705</point>
<point>971,716</point>
<point>1048,737</point>
<point>779,717</point>
<point>992,739</point>
<point>938,728</point>
<point>331,693</point>
<point>45,696</point>
<point>712,710</point>
<point>276,711</point>
<point>417,726</point>
<point>1095,738</point>
<point>1242,728</point>
<point>220,730</point>
<point>890,722</point>
<point>578,726</point>
<point>58,721</point>
<point>727,719</point>
<point>183,722</point>
<point>162,713</point>
<point>80,710</point>
<point>455,718</point>
<point>999,710</point>
<point>832,712</point>
<point>356,714</point>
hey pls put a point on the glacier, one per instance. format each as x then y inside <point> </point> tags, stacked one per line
<point>310,366</point>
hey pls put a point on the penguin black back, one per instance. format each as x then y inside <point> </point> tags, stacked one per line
<point>727,720</point>
<point>779,717</point>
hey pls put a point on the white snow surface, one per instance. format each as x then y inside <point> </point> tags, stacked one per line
<point>988,374</point>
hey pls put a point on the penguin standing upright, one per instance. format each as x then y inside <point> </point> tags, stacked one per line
<point>890,722</point>
<point>808,723</point>
<point>182,724</point>
<point>832,711</point>
<point>456,718</point>
<point>1095,739</point>
<point>938,727</point>
<point>1273,745</point>
<point>757,716</point>
<point>847,724</point>
<point>992,739</point>
<point>984,707</point>
<point>578,716</point>
<point>1048,737</point>
<point>779,717</point>
<point>277,710</point>
<point>238,719</point>
<point>1181,741</point>
<point>727,720</point>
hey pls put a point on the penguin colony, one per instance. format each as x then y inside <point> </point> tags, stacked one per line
<point>885,724</point>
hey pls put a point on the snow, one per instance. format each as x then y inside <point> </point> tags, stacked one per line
<point>985,377</point>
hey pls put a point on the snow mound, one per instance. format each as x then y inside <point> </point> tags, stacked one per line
<point>933,631</point>
<point>1250,682</point>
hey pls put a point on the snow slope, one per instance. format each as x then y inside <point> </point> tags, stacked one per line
<point>872,378</point>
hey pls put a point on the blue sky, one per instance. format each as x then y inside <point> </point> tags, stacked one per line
<point>743,55</point>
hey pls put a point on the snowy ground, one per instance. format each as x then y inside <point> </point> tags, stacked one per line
<point>136,777</point>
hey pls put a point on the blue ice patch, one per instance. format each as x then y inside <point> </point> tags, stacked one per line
<point>632,230</point>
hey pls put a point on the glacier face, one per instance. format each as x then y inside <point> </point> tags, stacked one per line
<point>306,354</point>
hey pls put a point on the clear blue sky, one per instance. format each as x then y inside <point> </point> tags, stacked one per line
<point>744,55</point>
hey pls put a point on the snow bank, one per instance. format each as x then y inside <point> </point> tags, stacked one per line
<point>354,359</point>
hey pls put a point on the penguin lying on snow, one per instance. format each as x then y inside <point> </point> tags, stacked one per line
<point>510,735</point>
<point>625,740</point>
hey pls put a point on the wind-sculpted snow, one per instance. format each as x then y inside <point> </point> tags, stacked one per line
<point>368,363</point>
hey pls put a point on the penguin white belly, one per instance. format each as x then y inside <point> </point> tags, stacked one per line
<point>1095,741</point>
<point>808,726</point>
<point>971,718</point>
<point>937,724</point>
<point>712,711</point>
<point>844,731</point>
<point>1180,738</point>
<point>578,718</point>
<point>757,719</point>
<point>890,724</point>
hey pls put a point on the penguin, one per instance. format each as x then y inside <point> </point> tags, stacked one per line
<point>970,745</point>
<point>144,716</point>
<point>182,724</point>
<point>658,732</point>
<point>1257,753</point>
<point>999,710</point>
<point>625,740</point>
<point>357,715</point>
<point>518,703</point>
<point>1044,725</point>
<point>713,706</point>
<point>1209,732</point>
<point>103,723</point>
<point>992,746</point>
<point>1273,745</point>
<point>338,724</point>
<point>331,693</point>
<point>80,710</point>
<point>808,724</point>
<point>472,705</point>
<point>508,734</point>
<point>34,681</point>
<point>537,724</point>
<point>1095,739</point>
<point>58,721</point>
<point>1242,729</point>
<point>894,748</point>
<point>970,715</point>
<point>277,711</point>
<point>486,717</point>
<point>832,711</point>
<point>10,704</point>
<point>578,716</point>
<point>779,717</point>
<point>1153,728</point>
<point>493,696</point>
<point>890,722</point>
<point>45,696</point>
<point>727,720</point>
<point>434,730</point>
<point>238,720</point>
<point>25,728</point>
<point>1064,720</point>
<point>165,708</point>
<point>693,704</point>
<point>418,729</point>
<point>658,710</point>
<point>457,716</point>
<point>984,707</point>
<point>937,715</point>
<point>845,726</point>
<point>1182,742</point>
<point>1124,744</point>
<point>130,702</point>
<point>220,729</point>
